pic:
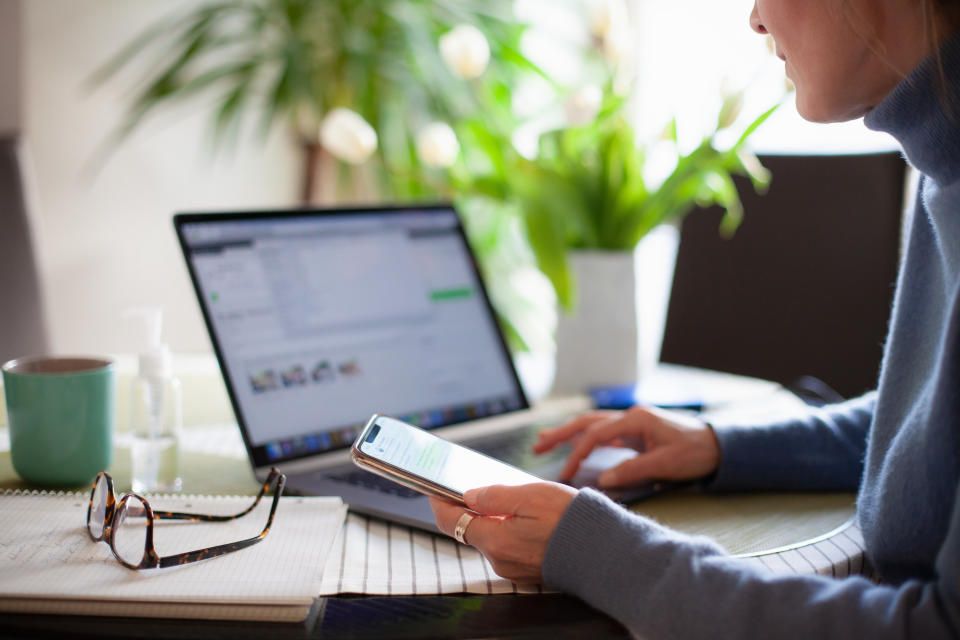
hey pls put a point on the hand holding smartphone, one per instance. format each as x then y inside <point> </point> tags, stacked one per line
<point>427,463</point>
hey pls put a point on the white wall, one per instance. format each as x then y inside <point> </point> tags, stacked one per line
<point>685,61</point>
<point>10,65</point>
<point>106,240</point>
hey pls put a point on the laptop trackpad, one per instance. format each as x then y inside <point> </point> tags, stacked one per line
<point>599,460</point>
<point>603,458</point>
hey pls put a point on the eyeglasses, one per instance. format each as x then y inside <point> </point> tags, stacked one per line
<point>127,524</point>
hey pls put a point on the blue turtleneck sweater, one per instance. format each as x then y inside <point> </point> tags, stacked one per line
<point>899,445</point>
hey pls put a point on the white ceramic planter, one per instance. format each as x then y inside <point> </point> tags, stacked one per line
<point>614,334</point>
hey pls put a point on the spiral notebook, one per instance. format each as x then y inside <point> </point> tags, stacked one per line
<point>48,563</point>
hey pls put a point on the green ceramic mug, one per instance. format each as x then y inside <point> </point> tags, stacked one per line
<point>60,411</point>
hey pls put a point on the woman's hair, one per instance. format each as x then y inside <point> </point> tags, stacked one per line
<point>942,19</point>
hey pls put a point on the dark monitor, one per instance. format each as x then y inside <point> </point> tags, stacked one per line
<point>804,287</point>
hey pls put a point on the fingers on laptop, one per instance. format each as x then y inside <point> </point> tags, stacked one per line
<point>548,439</point>
<point>598,433</point>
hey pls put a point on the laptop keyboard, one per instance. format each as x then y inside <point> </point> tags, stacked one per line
<point>516,448</point>
<point>361,478</point>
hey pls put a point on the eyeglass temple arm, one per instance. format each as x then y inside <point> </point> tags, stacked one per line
<point>203,554</point>
<point>179,515</point>
<point>223,549</point>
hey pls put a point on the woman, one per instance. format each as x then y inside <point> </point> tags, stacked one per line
<point>898,63</point>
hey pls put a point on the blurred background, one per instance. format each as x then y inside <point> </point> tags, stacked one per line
<point>102,202</point>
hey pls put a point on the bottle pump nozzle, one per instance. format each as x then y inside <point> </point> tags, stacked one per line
<point>154,354</point>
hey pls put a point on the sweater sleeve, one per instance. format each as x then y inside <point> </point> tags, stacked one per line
<point>823,450</point>
<point>663,584</point>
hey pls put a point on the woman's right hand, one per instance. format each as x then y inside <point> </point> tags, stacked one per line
<point>670,446</point>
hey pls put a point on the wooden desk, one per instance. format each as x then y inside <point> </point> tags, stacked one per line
<point>743,524</point>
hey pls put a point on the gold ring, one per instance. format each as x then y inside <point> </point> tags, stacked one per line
<point>461,529</point>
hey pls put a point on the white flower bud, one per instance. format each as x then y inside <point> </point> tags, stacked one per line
<point>582,106</point>
<point>437,145</point>
<point>604,15</point>
<point>730,109</point>
<point>465,51</point>
<point>617,45</point>
<point>346,135</point>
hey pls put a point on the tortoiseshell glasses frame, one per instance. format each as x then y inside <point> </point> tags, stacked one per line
<point>106,515</point>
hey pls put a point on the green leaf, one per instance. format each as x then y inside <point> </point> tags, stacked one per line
<point>228,115</point>
<point>753,126</point>
<point>547,240</point>
<point>670,131</point>
<point>513,55</point>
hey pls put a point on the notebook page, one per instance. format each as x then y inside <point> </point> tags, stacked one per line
<point>378,558</point>
<point>45,552</point>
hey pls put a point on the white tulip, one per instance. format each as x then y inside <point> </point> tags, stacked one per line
<point>582,106</point>
<point>465,51</point>
<point>437,145</point>
<point>618,46</point>
<point>346,135</point>
<point>604,15</point>
<point>730,109</point>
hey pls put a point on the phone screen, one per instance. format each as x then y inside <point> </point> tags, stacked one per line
<point>435,459</point>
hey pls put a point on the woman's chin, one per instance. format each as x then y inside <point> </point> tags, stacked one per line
<point>814,110</point>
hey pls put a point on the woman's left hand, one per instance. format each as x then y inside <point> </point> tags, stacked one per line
<point>513,525</point>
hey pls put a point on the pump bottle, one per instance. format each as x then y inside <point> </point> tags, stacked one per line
<point>156,412</point>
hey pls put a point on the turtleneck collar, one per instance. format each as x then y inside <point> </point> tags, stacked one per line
<point>916,115</point>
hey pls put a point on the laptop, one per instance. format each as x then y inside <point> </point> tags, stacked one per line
<point>320,318</point>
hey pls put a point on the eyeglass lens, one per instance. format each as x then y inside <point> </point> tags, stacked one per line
<point>130,530</point>
<point>98,511</point>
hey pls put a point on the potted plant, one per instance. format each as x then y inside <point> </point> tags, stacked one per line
<point>589,207</point>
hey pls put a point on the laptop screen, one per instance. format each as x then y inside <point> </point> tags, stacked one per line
<point>321,318</point>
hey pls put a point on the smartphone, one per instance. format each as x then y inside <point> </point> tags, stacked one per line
<point>427,463</point>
